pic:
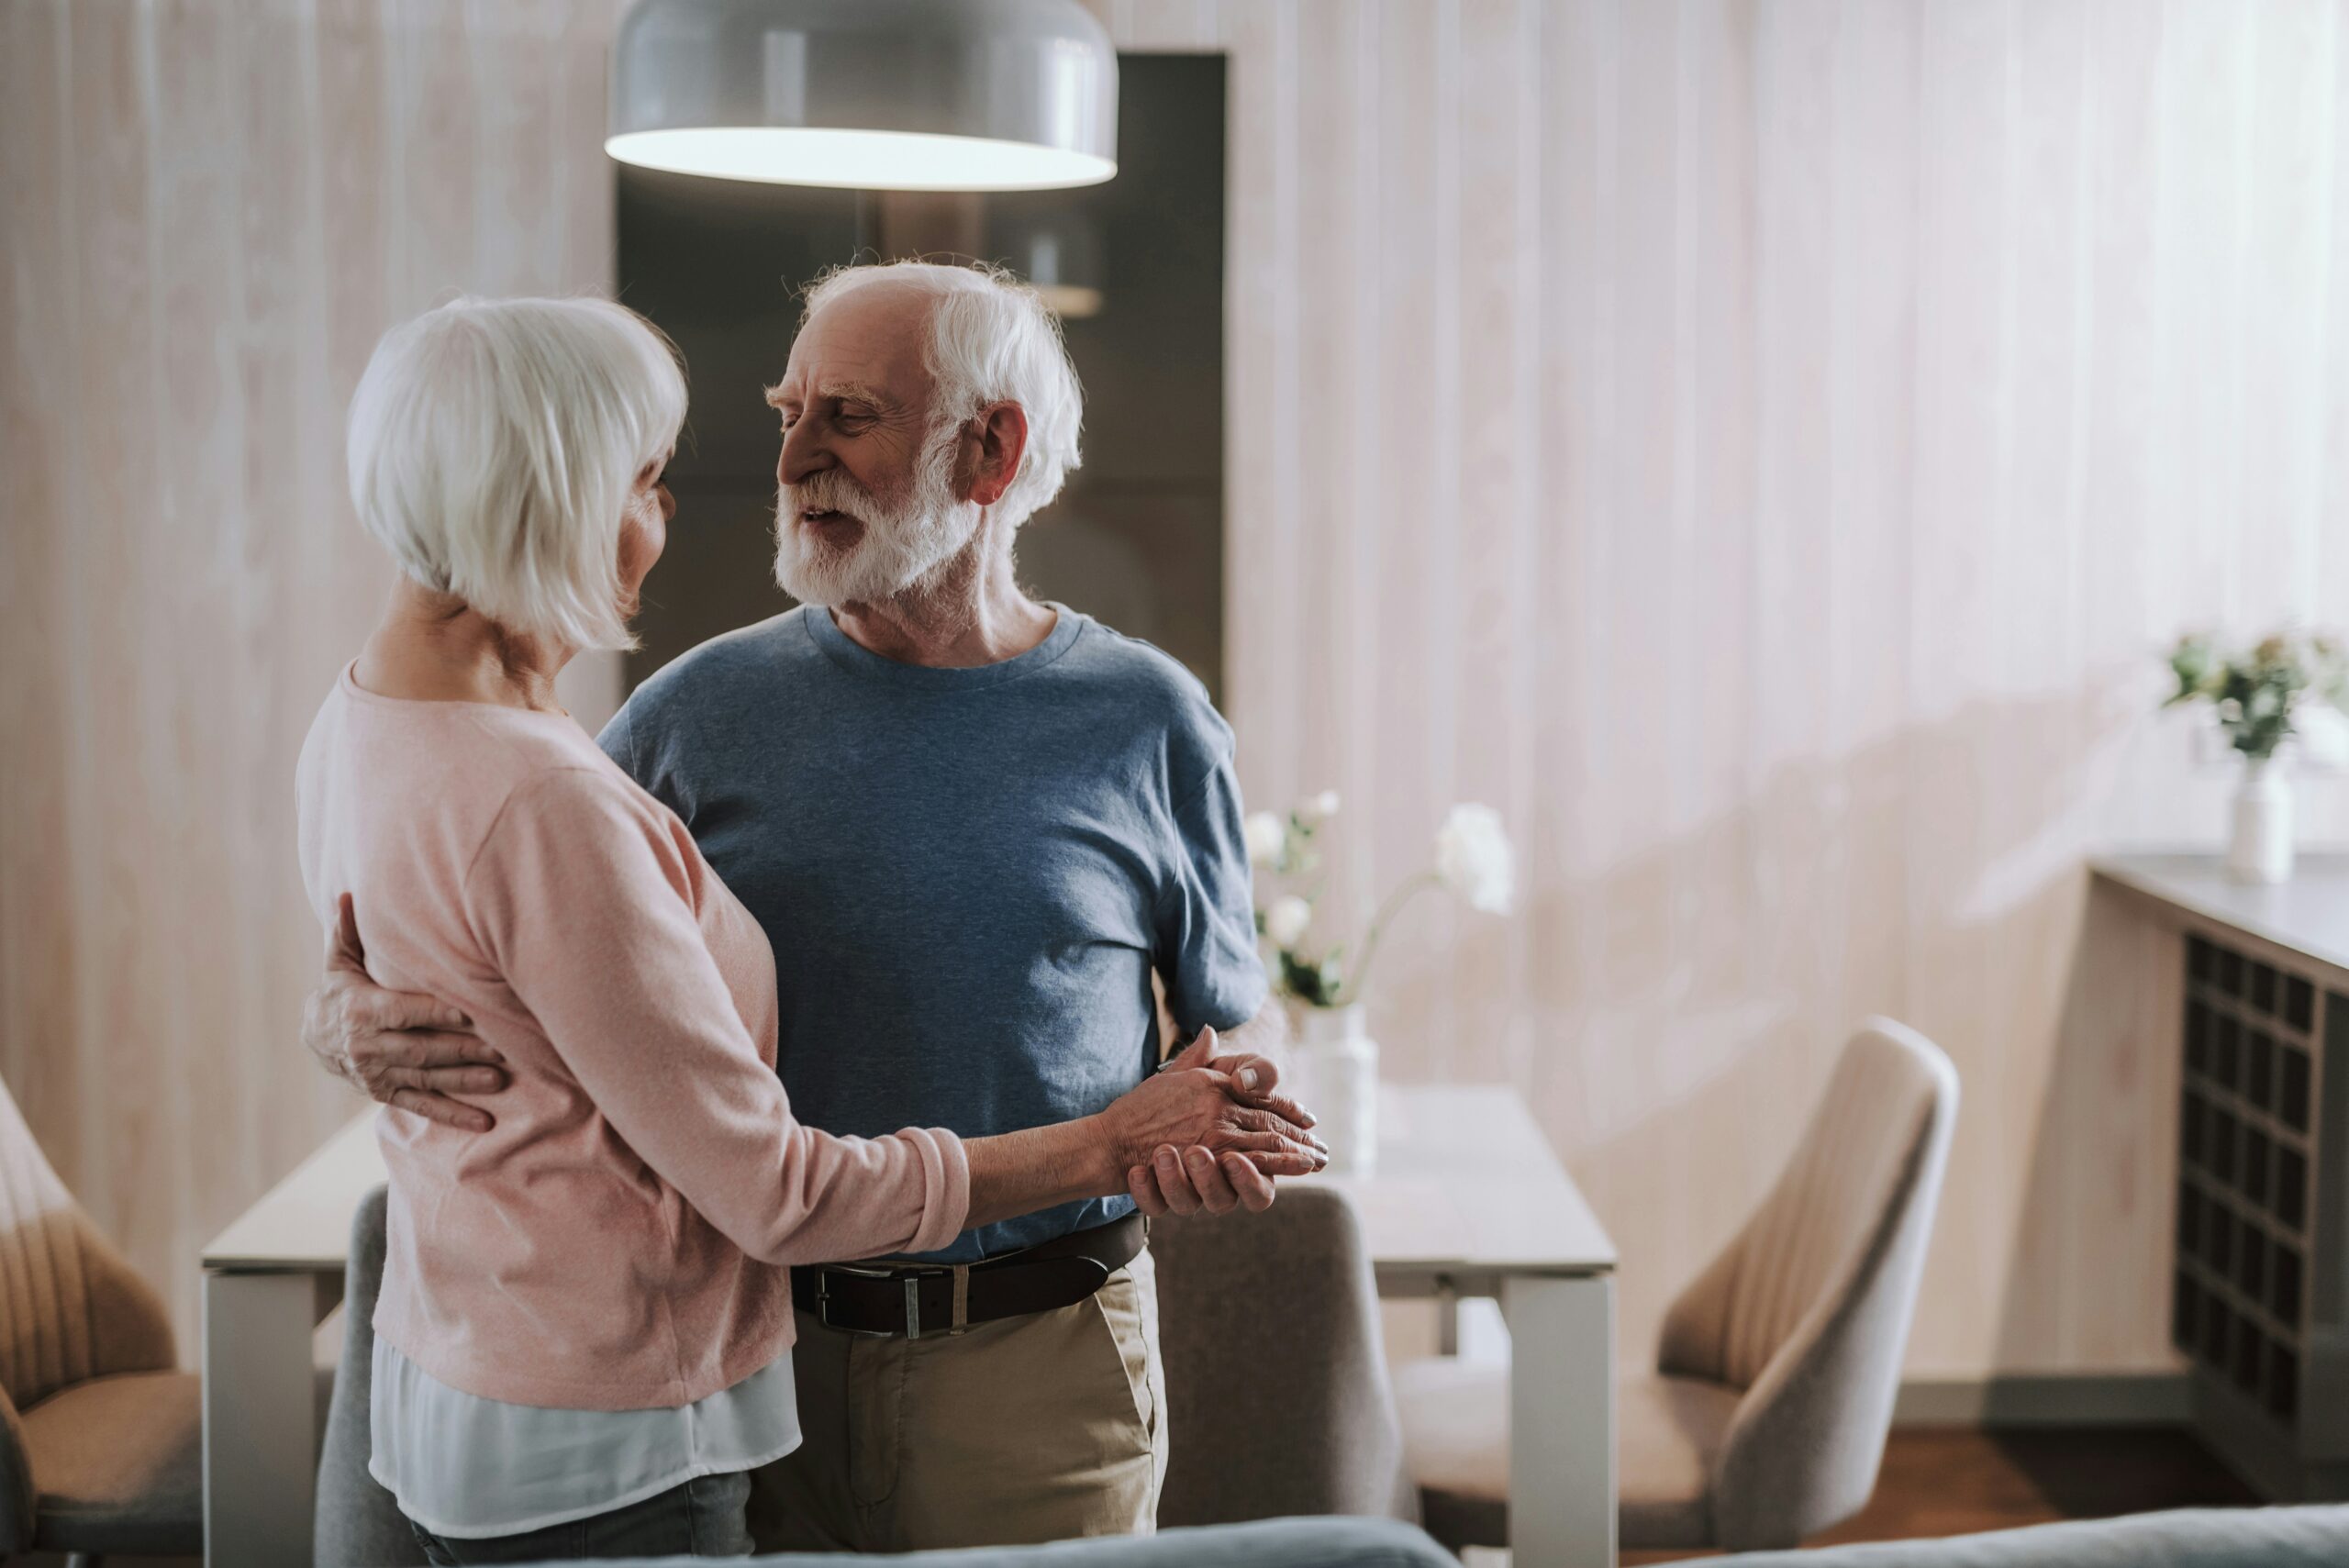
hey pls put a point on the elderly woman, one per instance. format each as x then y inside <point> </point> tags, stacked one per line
<point>583,1336</point>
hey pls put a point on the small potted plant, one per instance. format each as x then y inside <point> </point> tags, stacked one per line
<point>2255,695</point>
<point>1323,985</point>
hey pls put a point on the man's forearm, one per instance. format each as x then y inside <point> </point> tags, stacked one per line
<point>1261,1035</point>
<point>1014,1174</point>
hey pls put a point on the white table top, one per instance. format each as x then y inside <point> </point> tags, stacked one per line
<point>2308,916</point>
<point>303,1224</point>
<point>1466,1184</point>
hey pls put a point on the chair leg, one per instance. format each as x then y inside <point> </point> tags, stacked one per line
<point>84,1560</point>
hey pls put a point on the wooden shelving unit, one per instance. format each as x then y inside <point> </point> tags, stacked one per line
<point>2259,1282</point>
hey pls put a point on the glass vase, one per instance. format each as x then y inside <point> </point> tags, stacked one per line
<point>2261,848</point>
<point>1337,1065</point>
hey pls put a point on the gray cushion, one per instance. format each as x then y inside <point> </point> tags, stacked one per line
<point>1673,1430</point>
<point>1456,1444</point>
<point>1669,1431</point>
<point>2188,1538</point>
<point>118,1462</point>
<point>1270,1543</point>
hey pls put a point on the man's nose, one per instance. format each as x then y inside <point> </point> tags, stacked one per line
<point>803,453</point>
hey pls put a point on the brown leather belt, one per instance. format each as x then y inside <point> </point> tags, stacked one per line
<point>890,1301</point>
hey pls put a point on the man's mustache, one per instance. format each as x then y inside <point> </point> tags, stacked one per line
<point>825,493</point>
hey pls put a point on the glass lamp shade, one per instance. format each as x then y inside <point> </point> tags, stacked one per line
<point>872,94</point>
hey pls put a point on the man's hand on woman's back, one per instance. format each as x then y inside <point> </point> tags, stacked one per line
<point>403,1048</point>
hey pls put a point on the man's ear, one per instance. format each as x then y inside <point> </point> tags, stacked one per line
<point>1002,441</point>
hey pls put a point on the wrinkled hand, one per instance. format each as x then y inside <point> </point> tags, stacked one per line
<point>402,1048</point>
<point>1260,1133</point>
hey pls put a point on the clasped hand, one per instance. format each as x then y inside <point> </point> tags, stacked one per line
<point>1209,1132</point>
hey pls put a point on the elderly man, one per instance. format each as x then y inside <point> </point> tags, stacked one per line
<point>973,827</point>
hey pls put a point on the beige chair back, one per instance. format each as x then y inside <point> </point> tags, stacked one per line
<point>1806,1311</point>
<point>71,1307</point>
<point>71,1310</point>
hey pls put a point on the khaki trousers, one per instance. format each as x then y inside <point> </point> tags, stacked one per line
<point>1014,1432</point>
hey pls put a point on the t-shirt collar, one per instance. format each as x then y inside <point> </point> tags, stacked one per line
<point>854,659</point>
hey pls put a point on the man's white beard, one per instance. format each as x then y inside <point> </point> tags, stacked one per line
<point>907,542</point>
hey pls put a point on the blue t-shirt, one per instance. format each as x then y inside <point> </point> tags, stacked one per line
<point>967,875</point>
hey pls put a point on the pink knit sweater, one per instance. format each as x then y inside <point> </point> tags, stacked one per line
<point>621,1239</point>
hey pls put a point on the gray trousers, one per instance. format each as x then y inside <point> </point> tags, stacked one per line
<point>707,1517</point>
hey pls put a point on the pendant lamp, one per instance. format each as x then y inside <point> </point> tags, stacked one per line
<point>871,95</point>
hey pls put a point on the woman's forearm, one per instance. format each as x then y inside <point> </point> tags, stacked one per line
<point>1187,1105</point>
<point>1014,1174</point>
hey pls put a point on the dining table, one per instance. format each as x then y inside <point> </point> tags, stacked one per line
<point>1464,1197</point>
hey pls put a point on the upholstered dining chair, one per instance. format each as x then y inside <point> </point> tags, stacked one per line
<point>1276,1389</point>
<point>1775,1379</point>
<point>100,1435</point>
<point>357,1523</point>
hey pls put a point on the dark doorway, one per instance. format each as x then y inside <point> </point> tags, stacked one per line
<point>1137,537</point>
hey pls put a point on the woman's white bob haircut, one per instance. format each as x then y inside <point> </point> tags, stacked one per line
<point>992,340</point>
<point>493,446</point>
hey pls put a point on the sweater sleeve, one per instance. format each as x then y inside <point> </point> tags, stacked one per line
<point>1207,916</point>
<point>582,895</point>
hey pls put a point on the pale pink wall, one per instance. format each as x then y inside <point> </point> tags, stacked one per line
<point>209,210</point>
<point>1760,449</point>
<point>1757,447</point>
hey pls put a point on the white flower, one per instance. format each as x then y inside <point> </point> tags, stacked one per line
<point>1473,857</point>
<point>1287,920</point>
<point>1266,837</point>
<point>1321,808</point>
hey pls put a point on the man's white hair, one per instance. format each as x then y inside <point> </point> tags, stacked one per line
<point>492,445</point>
<point>992,340</point>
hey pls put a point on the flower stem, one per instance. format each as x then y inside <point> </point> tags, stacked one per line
<point>1352,991</point>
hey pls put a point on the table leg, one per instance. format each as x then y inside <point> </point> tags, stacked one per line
<point>259,1419</point>
<point>1561,1421</point>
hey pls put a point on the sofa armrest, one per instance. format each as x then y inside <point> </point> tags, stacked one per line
<point>2311,1537</point>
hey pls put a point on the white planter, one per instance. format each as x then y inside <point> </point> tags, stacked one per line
<point>2261,849</point>
<point>1337,1065</point>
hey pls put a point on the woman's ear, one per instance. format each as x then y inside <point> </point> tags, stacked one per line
<point>1003,440</point>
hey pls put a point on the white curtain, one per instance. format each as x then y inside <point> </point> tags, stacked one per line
<point>1763,449</point>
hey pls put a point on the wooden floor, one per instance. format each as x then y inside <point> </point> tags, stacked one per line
<point>1958,1481</point>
